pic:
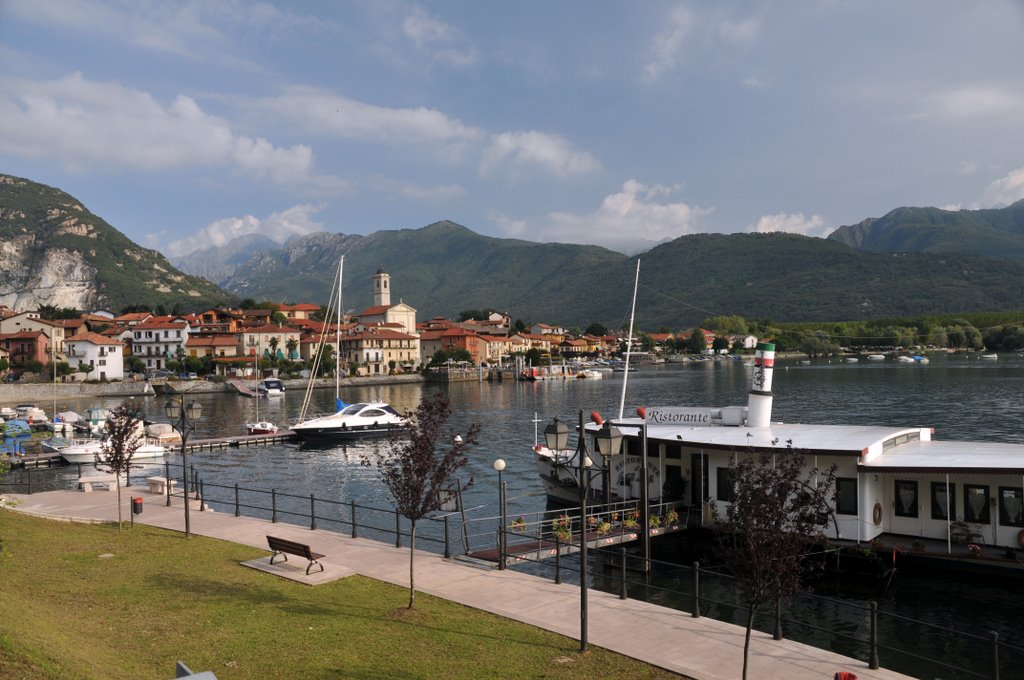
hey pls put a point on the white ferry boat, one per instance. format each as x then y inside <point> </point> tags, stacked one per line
<point>893,480</point>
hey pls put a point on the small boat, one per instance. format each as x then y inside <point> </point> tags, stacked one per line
<point>93,421</point>
<point>589,374</point>
<point>261,427</point>
<point>8,413</point>
<point>989,356</point>
<point>852,360</point>
<point>876,357</point>
<point>270,387</point>
<point>86,451</point>
<point>905,359</point>
<point>366,419</point>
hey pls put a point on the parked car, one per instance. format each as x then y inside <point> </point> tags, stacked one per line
<point>193,376</point>
<point>11,377</point>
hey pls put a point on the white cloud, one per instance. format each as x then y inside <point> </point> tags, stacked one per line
<point>666,46</point>
<point>754,83</point>
<point>322,112</point>
<point>510,227</point>
<point>629,220</point>
<point>794,223</point>
<point>279,226</point>
<point>177,28</point>
<point>435,37</point>
<point>514,153</point>
<point>967,168</point>
<point>739,31</point>
<point>85,124</point>
<point>441,192</point>
<point>968,102</point>
<point>1004,191</point>
<point>951,207</point>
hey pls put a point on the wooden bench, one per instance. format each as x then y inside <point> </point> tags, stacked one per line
<point>86,482</point>
<point>159,484</point>
<point>282,546</point>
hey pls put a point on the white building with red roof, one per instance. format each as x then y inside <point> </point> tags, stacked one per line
<point>159,339</point>
<point>104,355</point>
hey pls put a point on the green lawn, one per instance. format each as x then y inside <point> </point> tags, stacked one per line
<point>88,601</point>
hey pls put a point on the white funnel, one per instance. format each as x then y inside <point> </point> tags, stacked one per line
<point>759,402</point>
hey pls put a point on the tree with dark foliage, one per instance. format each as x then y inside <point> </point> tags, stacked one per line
<point>419,464</point>
<point>124,437</point>
<point>776,518</point>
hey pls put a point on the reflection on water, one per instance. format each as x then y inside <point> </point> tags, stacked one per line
<point>962,397</point>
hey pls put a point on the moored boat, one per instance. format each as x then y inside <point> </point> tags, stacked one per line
<point>261,427</point>
<point>270,387</point>
<point>889,479</point>
<point>86,451</point>
<point>365,419</point>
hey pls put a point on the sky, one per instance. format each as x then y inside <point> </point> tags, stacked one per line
<point>621,124</point>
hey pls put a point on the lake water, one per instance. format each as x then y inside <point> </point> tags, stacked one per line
<point>961,396</point>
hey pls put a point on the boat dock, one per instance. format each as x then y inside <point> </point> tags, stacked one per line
<point>545,547</point>
<point>38,458</point>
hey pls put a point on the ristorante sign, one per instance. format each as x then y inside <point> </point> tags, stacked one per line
<point>692,417</point>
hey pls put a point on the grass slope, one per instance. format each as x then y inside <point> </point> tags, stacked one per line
<point>88,601</point>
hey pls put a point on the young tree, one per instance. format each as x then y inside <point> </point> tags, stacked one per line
<point>420,463</point>
<point>776,517</point>
<point>124,437</point>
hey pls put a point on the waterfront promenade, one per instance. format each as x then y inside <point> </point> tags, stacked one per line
<point>701,648</point>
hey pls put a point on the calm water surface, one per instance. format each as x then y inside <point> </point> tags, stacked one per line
<point>961,396</point>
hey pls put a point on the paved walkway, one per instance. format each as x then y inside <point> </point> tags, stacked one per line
<point>699,648</point>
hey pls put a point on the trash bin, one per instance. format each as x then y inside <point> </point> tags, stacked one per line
<point>136,506</point>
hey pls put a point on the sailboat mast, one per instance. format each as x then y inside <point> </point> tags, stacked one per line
<point>337,341</point>
<point>629,342</point>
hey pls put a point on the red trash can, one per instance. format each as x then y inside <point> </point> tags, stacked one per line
<point>136,506</point>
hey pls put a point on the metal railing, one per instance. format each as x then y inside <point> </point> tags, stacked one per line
<point>862,631</point>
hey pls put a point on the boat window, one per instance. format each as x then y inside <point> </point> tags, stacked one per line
<point>906,498</point>
<point>976,503</point>
<point>1011,506</point>
<point>724,491</point>
<point>941,500</point>
<point>391,409</point>
<point>373,413</point>
<point>846,495</point>
<point>353,409</point>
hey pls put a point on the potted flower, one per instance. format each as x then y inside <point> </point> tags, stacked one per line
<point>654,521</point>
<point>974,550</point>
<point>631,521</point>
<point>671,517</point>
<point>603,528</point>
<point>918,546</point>
<point>519,524</point>
<point>615,517</point>
<point>563,528</point>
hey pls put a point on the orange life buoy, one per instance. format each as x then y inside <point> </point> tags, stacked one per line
<point>1020,538</point>
<point>876,514</point>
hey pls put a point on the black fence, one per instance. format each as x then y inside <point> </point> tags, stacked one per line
<point>865,632</point>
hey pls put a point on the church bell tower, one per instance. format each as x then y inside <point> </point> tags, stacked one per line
<point>381,288</point>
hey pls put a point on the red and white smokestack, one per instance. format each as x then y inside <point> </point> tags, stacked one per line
<point>759,402</point>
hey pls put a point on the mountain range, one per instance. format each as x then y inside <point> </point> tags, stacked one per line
<point>912,261</point>
<point>54,251</point>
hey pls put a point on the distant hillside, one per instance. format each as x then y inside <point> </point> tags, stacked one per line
<point>219,263</point>
<point>445,268</point>
<point>996,233</point>
<point>54,251</point>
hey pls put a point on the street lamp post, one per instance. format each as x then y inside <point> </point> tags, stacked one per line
<point>185,418</point>
<point>556,436</point>
<point>499,465</point>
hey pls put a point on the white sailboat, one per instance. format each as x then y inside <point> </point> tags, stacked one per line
<point>259,426</point>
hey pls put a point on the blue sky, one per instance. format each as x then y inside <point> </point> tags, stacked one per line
<point>616,123</point>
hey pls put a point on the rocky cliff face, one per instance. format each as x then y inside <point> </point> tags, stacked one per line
<point>53,251</point>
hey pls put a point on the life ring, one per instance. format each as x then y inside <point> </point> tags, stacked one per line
<point>1020,538</point>
<point>876,514</point>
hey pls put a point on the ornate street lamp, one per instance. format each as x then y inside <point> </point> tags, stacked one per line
<point>185,419</point>
<point>556,435</point>
<point>608,442</point>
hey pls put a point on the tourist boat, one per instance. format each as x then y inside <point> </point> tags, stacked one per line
<point>365,419</point>
<point>891,480</point>
<point>270,387</point>
<point>86,451</point>
<point>261,427</point>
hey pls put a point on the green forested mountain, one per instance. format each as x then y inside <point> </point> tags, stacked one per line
<point>995,232</point>
<point>445,268</point>
<point>56,252</point>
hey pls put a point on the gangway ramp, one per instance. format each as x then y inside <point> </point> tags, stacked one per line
<point>545,547</point>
